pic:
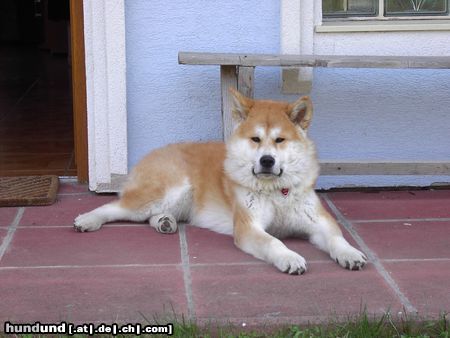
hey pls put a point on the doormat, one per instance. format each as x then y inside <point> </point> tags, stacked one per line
<point>28,190</point>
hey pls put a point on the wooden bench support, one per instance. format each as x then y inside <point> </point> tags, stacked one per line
<point>237,71</point>
<point>237,77</point>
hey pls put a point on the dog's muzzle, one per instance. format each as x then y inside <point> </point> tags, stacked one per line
<point>267,174</point>
<point>266,167</point>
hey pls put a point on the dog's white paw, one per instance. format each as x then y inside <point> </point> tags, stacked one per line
<point>87,222</point>
<point>164,223</point>
<point>350,258</point>
<point>290,262</point>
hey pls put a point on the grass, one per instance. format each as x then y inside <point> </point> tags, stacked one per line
<point>360,326</point>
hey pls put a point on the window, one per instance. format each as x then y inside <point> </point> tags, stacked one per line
<point>383,8</point>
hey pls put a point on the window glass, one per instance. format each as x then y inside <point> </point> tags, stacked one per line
<point>416,7</point>
<point>343,8</point>
<point>348,8</point>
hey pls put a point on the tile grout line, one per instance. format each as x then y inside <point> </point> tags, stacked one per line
<point>137,265</point>
<point>186,272</point>
<point>37,227</point>
<point>373,258</point>
<point>400,260</point>
<point>197,265</point>
<point>32,267</point>
<point>11,230</point>
<point>74,193</point>
<point>389,220</point>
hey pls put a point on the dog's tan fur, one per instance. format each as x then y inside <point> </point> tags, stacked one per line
<point>167,167</point>
<point>202,183</point>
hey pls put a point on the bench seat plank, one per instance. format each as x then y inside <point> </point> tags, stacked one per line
<point>330,61</point>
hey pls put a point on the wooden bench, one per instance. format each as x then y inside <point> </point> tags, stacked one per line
<point>237,71</point>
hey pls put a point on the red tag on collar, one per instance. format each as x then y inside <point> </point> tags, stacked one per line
<point>285,191</point>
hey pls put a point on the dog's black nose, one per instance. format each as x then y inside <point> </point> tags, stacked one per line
<point>267,161</point>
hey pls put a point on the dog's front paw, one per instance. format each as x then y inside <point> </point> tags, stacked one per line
<point>349,258</point>
<point>290,262</point>
<point>87,222</point>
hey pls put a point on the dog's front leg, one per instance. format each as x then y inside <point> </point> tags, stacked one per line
<point>324,232</point>
<point>251,238</point>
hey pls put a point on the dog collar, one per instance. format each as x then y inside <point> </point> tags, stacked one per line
<point>285,191</point>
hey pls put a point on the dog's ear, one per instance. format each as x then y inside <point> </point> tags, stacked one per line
<point>241,105</point>
<point>301,111</point>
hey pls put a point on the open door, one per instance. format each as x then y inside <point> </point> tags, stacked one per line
<point>43,129</point>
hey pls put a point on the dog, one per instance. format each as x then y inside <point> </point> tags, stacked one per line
<point>258,187</point>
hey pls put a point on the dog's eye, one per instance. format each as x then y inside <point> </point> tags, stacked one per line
<point>279,140</point>
<point>256,139</point>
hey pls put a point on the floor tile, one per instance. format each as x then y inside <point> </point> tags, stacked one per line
<point>108,246</point>
<point>393,204</point>
<point>426,284</point>
<point>91,294</point>
<point>64,211</point>
<point>407,239</point>
<point>7,215</point>
<point>206,246</point>
<point>251,293</point>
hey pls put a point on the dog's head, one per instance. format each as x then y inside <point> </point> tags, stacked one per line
<point>269,148</point>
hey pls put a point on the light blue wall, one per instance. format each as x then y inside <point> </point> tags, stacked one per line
<point>168,102</point>
<point>359,114</point>
<point>378,114</point>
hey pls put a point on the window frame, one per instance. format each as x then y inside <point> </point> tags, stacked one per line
<point>379,14</point>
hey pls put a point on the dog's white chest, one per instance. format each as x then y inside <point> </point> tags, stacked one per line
<point>286,205</point>
<point>284,214</point>
<point>275,207</point>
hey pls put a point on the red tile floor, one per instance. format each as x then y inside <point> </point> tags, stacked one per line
<point>127,272</point>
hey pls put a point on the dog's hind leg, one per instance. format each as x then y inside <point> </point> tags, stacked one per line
<point>175,205</point>
<point>114,211</point>
<point>164,223</point>
<point>162,209</point>
<point>157,190</point>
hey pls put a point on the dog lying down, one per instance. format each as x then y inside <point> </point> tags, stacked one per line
<point>258,187</point>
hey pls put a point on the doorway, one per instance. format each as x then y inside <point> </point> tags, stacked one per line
<point>36,97</point>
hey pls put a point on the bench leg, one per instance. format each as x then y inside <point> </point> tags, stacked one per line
<point>240,78</point>
<point>228,78</point>
<point>246,76</point>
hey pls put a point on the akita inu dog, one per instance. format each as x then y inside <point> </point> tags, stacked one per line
<point>258,187</point>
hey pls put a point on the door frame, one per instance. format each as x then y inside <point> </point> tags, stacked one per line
<point>79,89</point>
<point>100,75</point>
